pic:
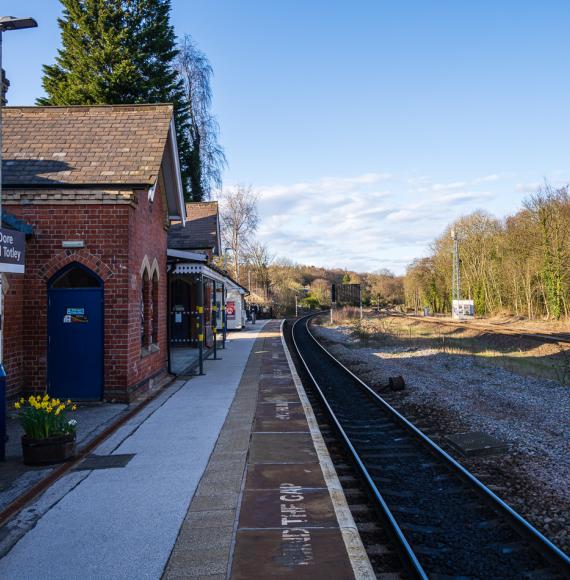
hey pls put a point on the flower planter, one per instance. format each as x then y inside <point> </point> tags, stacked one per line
<point>47,451</point>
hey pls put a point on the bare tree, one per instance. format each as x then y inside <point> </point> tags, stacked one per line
<point>259,259</point>
<point>238,212</point>
<point>207,156</point>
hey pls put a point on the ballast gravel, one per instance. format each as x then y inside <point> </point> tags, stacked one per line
<point>453,393</point>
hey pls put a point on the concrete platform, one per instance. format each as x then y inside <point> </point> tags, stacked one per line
<point>287,517</point>
<point>229,478</point>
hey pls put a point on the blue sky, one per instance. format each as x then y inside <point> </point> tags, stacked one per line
<point>367,126</point>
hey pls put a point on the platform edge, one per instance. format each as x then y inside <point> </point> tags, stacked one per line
<point>355,549</point>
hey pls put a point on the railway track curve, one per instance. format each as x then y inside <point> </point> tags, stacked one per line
<point>444,522</point>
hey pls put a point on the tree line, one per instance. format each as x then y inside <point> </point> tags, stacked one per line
<point>517,265</point>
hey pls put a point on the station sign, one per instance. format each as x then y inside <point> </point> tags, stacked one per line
<point>346,294</point>
<point>12,251</point>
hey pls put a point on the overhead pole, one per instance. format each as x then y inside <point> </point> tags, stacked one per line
<point>456,270</point>
<point>6,23</point>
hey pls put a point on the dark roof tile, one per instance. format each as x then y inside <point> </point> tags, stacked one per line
<point>201,231</point>
<point>115,144</point>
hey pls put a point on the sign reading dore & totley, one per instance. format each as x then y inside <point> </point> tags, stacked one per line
<point>12,251</point>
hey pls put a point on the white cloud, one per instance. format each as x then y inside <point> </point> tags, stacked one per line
<point>465,196</point>
<point>531,187</point>
<point>328,185</point>
<point>368,221</point>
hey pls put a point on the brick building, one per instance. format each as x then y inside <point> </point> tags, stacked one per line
<point>95,188</point>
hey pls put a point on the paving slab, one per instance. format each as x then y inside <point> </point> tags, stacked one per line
<point>289,423</point>
<point>295,553</point>
<point>282,411</point>
<point>278,396</point>
<point>288,505</point>
<point>282,448</point>
<point>271,476</point>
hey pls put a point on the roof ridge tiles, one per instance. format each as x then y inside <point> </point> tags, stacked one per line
<point>117,106</point>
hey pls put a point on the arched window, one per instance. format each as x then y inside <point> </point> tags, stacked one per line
<point>155,308</point>
<point>146,311</point>
<point>76,276</point>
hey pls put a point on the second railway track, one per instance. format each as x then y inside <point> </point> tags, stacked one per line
<point>444,521</point>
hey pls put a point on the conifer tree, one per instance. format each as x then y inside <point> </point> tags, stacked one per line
<point>119,52</point>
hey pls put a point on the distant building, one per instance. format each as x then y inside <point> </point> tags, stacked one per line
<point>95,188</point>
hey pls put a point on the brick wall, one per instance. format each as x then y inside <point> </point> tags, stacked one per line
<point>147,250</point>
<point>13,336</point>
<point>117,238</point>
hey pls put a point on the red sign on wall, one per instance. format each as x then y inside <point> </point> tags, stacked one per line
<point>231,310</point>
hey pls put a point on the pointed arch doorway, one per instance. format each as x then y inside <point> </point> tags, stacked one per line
<point>75,334</point>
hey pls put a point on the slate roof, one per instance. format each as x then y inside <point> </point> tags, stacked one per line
<point>201,231</point>
<point>83,145</point>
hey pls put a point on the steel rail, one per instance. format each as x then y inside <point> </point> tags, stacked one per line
<point>410,559</point>
<point>543,545</point>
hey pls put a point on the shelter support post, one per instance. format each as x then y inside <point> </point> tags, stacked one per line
<point>200,322</point>
<point>215,320</point>
<point>224,320</point>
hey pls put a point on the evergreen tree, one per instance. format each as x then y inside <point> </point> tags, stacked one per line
<point>119,52</point>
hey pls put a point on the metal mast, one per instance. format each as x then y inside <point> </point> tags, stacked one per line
<point>456,281</point>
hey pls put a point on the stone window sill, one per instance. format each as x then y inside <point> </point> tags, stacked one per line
<point>148,350</point>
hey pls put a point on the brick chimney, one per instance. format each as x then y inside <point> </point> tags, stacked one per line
<point>5,85</point>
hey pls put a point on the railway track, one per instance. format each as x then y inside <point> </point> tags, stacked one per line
<point>444,522</point>
<point>560,338</point>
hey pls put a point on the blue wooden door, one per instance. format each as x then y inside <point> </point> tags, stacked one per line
<point>75,335</point>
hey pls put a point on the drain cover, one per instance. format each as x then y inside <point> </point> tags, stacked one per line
<point>104,461</point>
<point>477,443</point>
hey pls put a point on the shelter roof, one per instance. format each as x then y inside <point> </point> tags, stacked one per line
<point>202,231</point>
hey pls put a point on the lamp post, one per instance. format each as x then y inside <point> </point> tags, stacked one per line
<point>6,23</point>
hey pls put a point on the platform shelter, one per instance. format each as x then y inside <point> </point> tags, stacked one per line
<point>197,290</point>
